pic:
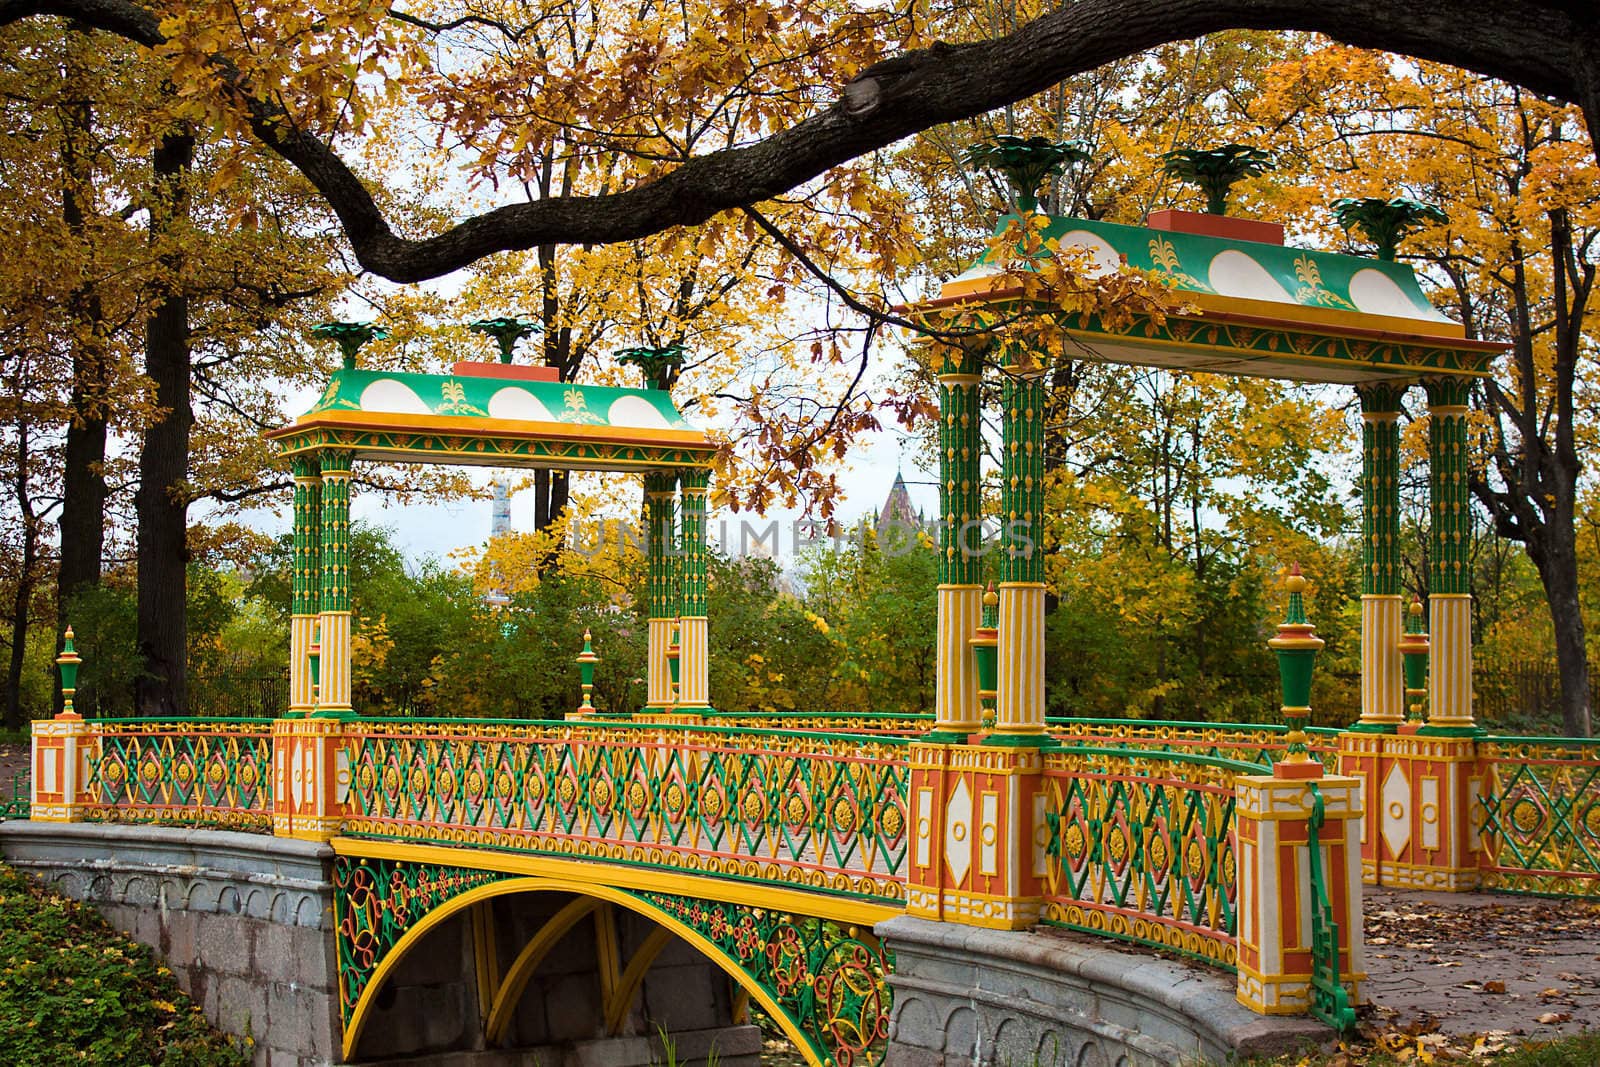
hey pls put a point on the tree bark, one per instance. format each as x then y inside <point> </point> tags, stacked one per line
<point>162,500</point>
<point>83,483</point>
<point>27,579</point>
<point>1549,46</point>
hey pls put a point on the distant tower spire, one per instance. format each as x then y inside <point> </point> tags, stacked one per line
<point>897,509</point>
<point>502,508</point>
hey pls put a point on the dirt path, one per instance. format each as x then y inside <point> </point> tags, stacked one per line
<point>13,762</point>
<point>1475,963</point>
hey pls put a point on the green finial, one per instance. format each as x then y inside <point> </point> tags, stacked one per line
<point>586,661</point>
<point>69,661</point>
<point>1296,646</point>
<point>1386,222</point>
<point>1026,162</point>
<point>1414,649</point>
<point>1215,170</point>
<point>349,336</point>
<point>506,331</point>
<point>656,364</point>
<point>991,606</point>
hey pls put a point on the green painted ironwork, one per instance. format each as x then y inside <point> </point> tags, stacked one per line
<point>1450,504</point>
<point>960,480</point>
<point>375,902</point>
<point>1380,488</point>
<point>831,980</point>
<point>1026,162</point>
<point>1540,810</point>
<point>334,548</point>
<point>692,550</point>
<point>1022,402</point>
<point>1330,1001</point>
<point>19,805</point>
<point>1141,847</point>
<point>1215,171</point>
<point>661,550</point>
<point>657,364</point>
<point>1262,744</point>
<point>506,331</point>
<point>307,581</point>
<point>212,772</point>
<point>1296,646</point>
<point>1386,222</point>
<point>808,810</point>
<point>349,336</point>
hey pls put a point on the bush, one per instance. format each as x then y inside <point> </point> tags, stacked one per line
<point>73,990</point>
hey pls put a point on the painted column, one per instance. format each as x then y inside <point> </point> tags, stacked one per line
<point>693,668</point>
<point>334,616</point>
<point>957,709</point>
<point>61,749</point>
<point>1019,700</point>
<point>660,490</point>
<point>307,595</point>
<point>1450,545</point>
<point>1382,607</point>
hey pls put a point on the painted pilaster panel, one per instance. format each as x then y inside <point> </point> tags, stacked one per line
<point>661,565</point>
<point>1019,700</point>
<point>693,667</point>
<point>1450,548</point>
<point>335,606</point>
<point>992,825</point>
<point>307,588</point>
<point>957,708</point>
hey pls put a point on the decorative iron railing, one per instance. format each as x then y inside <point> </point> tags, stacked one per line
<point>1540,810</point>
<point>892,723</point>
<point>17,805</point>
<point>810,810</point>
<point>1259,743</point>
<point>208,772</point>
<point>1141,845</point>
<point>1330,1001</point>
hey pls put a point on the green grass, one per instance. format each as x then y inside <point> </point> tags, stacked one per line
<point>73,990</point>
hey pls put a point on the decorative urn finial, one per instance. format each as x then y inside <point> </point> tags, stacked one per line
<point>69,661</point>
<point>1414,649</point>
<point>506,331</point>
<point>349,336</point>
<point>1296,646</point>
<point>586,661</point>
<point>1215,170</point>
<point>1386,222</point>
<point>1026,162</point>
<point>657,364</point>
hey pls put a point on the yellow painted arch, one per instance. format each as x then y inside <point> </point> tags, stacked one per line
<point>391,959</point>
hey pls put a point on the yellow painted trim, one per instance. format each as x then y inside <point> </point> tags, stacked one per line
<point>527,962</point>
<point>699,942</point>
<point>607,953</point>
<point>472,427</point>
<point>483,958</point>
<point>740,1011</point>
<point>708,887</point>
<point>627,987</point>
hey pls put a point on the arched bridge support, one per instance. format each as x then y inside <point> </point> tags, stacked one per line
<point>402,911</point>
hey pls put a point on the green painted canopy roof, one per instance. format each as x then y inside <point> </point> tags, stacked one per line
<point>1267,309</point>
<point>496,421</point>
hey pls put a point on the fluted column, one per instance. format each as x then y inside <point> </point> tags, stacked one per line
<point>1450,553</point>
<point>1382,607</point>
<point>693,637</point>
<point>335,559</point>
<point>660,489</point>
<point>960,604</point>
<point>1019,700</point>
<point>306,600</point>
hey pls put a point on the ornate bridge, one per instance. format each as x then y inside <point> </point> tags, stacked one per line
<point>774,845</point>
<point>773,853</point>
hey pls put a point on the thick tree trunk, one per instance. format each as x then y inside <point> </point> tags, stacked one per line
<point>26,582</point>
<point>162,501</point>
<point>83,483</point>
<point>1558,571</point>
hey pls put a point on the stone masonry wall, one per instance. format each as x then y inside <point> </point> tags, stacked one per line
<point>991,998</point>
<point>245,921</point>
